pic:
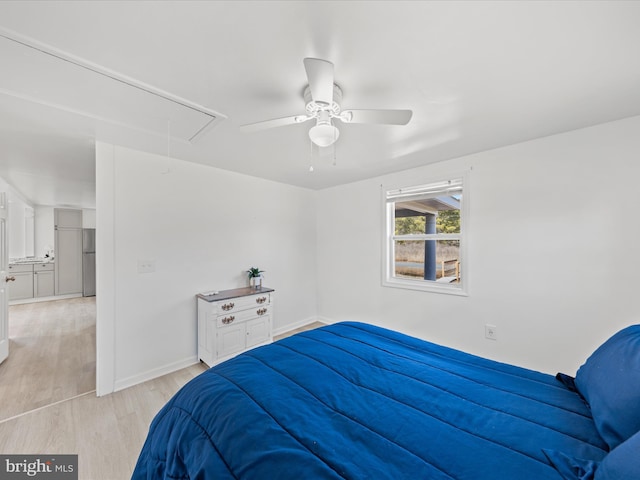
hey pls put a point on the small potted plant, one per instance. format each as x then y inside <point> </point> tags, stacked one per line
<point>255,277</point>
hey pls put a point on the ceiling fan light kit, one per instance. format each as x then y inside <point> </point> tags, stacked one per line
<point>322,102</point>
<point>324,133</point>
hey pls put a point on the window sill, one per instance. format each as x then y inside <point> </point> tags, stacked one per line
<point>425,286</point>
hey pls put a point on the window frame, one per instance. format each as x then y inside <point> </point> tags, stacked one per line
<point>388,234</point>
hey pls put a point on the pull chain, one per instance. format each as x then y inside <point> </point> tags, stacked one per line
<point>334,154</point>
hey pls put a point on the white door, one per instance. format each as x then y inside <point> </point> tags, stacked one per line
<point>4,279</point>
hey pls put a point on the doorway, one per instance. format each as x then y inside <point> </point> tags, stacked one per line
<point>52,354</point>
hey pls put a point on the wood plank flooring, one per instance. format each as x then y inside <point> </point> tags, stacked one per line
<point>311,326</point>
<point>52,354</point>
<point>107,432</point>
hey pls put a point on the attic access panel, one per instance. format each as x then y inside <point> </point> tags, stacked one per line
<point>39,73</point>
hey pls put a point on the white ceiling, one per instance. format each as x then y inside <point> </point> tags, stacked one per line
<point>149,75</point>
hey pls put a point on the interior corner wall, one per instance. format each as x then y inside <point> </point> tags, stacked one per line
<point>202,228</point>
<point>44,230</point>
<point>21,238</point>
<point>16,219</point>
<point>88,218</point>
<point>553,251</point>
<point>105,269</point>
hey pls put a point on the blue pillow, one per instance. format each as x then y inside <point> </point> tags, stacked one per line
<point>610,383</point>
<point>623,462</point>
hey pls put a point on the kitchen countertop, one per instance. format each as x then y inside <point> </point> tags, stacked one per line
<point>30,260</point>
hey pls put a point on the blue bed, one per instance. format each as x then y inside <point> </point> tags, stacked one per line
<point>356,401</point>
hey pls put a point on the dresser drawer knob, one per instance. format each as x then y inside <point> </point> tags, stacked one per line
<point>228,320</point>
<point>261,311</point>
<point>228,306</point>
<point>261,299</point>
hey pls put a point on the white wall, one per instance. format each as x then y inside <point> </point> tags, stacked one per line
<point>16,228</point>
<point>29,231</point>
<point>44,230</point>
<point>20,240</point>
<point>203,227</point>
<point>88,218</point>
<point>553,250</point>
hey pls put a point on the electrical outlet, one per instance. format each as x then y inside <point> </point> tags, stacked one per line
<point>146,266</point>
<point>491,332</point>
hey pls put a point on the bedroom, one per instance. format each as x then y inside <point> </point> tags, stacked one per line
<point>551,231</point>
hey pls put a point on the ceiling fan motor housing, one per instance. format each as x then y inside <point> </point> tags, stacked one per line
<point>313,107</point>
<point>324,133</point>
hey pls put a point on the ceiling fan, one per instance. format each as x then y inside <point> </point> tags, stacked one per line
<point>323,100</point>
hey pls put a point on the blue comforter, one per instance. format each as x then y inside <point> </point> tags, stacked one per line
<point>356,401</point>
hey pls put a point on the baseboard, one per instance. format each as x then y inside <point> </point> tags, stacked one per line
<point>154,373</point>
<point>44,299</point>
<point>328,321</point>
<point>293,326</point>
<point>187,362</point>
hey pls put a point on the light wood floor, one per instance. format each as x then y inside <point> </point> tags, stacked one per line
<point>311,326</point>
<point>52,354</point>
<point>107,432</point>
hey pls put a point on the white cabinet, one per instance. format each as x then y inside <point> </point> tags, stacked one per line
<point>67,218</point>
<point>43,280</point>
<point>68,251</point>
<point>232,321</point>
<point>31,280</point>
<point>22,286</point>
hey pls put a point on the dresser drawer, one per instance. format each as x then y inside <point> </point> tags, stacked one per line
<point>43,267</point>
<point>18,268</point>
<point>243,303</point>
<point>230,318</point>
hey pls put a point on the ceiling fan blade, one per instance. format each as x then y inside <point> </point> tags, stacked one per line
<point>276,122</point>
<point>320,76</point>
<point>385,117</point>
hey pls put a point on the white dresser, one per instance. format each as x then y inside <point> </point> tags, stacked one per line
<point>232,321</point>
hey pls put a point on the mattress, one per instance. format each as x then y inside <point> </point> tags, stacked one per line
<point>356,401</point>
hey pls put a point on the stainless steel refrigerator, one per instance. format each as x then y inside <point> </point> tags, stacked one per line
<point>89,262</point>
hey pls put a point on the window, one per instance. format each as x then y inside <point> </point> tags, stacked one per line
<point>424,237</point>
